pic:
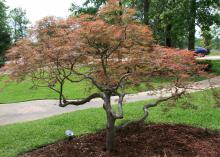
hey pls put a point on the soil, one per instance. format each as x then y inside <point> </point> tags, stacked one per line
<point>155,140</point>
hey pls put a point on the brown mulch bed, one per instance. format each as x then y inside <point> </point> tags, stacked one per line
<point>140,141</point>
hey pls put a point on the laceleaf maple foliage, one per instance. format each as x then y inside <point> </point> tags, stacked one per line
<point>110,50</point>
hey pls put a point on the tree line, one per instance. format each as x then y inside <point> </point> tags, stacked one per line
<point>13,26</point>
<point>173,22</point>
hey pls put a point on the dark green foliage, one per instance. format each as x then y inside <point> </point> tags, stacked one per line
<point>5,39</point>
<point>167,21</point>
<point>207,16</point>
<point>77,10</point>
<point>89,7</point>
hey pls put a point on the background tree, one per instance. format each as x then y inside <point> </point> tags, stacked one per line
<point>167,19</point>
<point>19,23</point>
<point>89,7</point>
<point>208,16</point>
<point>111,51</point>
<point>146,11</point>
<point>216,43</point>
<point>192,24</point>
<point>204,14</point>
<point>5,39</point>
<point>173,21</point>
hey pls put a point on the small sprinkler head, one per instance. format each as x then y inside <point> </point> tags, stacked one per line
<point>69,134</point>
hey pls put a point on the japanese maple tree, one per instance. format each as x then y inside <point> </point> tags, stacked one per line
<point>111,51</point>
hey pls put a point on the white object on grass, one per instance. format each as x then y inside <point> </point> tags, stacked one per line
<point>69,133</point>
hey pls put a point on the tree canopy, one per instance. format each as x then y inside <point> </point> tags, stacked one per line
<point>111,50</point>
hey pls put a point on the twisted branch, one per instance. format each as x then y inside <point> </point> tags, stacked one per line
<point>120,113</point>
<point>146,110</point>
<point>81,102</point>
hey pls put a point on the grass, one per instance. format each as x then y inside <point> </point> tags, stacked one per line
<point>214,53</point>
<point>19,138</point>
<point>12,91</point>
<point>16,92</point>
<point>216,67</point>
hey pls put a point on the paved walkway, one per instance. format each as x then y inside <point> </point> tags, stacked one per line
<point>209,58</point>
<point>33,110</point>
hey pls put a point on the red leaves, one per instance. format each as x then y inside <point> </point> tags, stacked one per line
<point>180,63</point>
<point>110,44</point>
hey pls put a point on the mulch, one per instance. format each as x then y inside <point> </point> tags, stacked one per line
<point>153,140</point>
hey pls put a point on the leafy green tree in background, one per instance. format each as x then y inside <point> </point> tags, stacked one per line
<point>19,23</point>
<point>215,42</point>
<point>204,14</point>
<point>5,39</point>
<point>208,16</point>
<point>167,19</point>
<point>89,7</point>
<point>173,21</point>
<point>191,11</point>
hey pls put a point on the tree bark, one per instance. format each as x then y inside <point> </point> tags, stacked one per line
<point>192,25</point>
<point>168,35</point>
<point>146,11</point>
<point>110,130</point>
<point>110,133</point>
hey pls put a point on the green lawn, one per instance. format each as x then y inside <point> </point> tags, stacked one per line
<point>17,92</point>
<point>13,92</point>
<point>19,138</point>
<point>216,67</point>
<point>215,53</point>
<point>24,91</point>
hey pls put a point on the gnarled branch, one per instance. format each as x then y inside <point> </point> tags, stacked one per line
<point>120,113</point>
<point>81,102</point>
<point>146,110</point>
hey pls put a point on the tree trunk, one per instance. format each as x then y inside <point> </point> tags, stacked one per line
<point>168,35</point>
<point>15,32</point>
<point>146,11</point>
<point>110,130</point>
<point>110,133</point>
<point>192,25</point>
